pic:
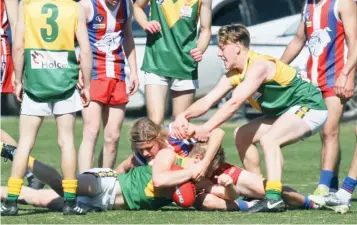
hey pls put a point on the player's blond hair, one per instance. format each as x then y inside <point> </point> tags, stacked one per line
<point>234,33</point>
<point>200,149</point>
<point>144,130</point>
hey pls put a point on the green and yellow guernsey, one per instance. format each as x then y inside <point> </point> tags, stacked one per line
<point>167,53</point>
<point>285,90</point>
<point>138,189</point>
<point>50,68</point>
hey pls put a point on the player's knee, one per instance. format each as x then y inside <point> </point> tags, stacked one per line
<point>204,202</point>
<point>91,131</point>
<point>111,138</point>
<point>65,143</point>
<point>330,132</point>
<point>267,142</point>
<point>240,137</point>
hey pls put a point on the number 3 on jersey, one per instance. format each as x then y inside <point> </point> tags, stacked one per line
<point>51,10</point>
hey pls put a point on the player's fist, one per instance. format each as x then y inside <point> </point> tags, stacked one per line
<point>152,27</point>
<point>196,54</point>
<point>224,180</point>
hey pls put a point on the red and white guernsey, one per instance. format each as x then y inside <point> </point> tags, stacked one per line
<point>326,43</point>
<point>5,48</point>
<point>106,36</point>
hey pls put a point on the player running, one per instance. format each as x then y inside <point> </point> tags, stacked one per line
<point>293,109</point>
<point>44,52</point>
<point>111,39</point>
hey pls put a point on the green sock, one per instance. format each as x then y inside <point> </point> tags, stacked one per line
<point>69,196</point>
<point>273,195</point>
<point>12,197</point>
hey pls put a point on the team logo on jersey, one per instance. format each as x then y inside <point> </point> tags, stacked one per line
<point>109,42</point>
<point>49,60</point>
<point>307,16</point>
<point>160,2</point>
<point>318,41</point>
<point>99,18</point>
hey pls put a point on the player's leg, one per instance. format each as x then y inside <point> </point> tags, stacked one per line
<point>113,116</point>
<point>47,198</point>
<point>341,200</point>
<point>8,148</point>
<point>65,115</point>
<point>330,155</point>
<point>156,88</point>
<point>183,94</point>
<point>208,202</point>
<point>29,126</point>
<point>302,122</point>
<point>250,185</point>
<point>246,138</point>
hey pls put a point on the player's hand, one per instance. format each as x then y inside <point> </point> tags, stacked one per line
<point>202,133</point>
<point>199,171</point>
<point>152,27</point>
<point>349,89</point>
<point>85,96</point>
<point>80,84</point>
<point>196,54</point>
<point>224,180</point>
<point>179,127</point>
<point>133,84</point>
<point>19,91</point>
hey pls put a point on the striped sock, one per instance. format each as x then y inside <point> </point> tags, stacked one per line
<point>347,188</point>
<point>243,205</point>
<point>14,186</point>
<point>273,190</point>
<point>69,189</point>
<point>308,204</point>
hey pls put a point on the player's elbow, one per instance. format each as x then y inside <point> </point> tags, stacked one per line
<point>158,181</point>
<point>218,132</point>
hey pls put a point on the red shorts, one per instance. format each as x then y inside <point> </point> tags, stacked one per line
<point>7,68</point>
<point>328,92</point>
<point>233,171</point>
<point>109,91</point>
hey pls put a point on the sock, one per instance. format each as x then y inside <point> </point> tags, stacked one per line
<point>31,161</point>
<point>273,190</point>
<point>326,177</point>
<point>28,174</point>
<point>347,188</point>
<point>69,189</point>
<point>308,204</point>
<point>243,205</point>
<point>334,182</point>
<point>14,188</point>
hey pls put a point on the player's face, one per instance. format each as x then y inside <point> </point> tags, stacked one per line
<point>228,53</point>
<point>113,3</point>
<point>149,149</point>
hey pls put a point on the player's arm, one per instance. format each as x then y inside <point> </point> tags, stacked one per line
<point>202,105</point>
<point>141,18</point>
<point>126,165</point>
<point>254,77</point>
<point>18,46</point>
<point>88,9</point>
<point>214,144</point>
<point>85,49</point>
<point>296,45</point>
<point>205,25</point>
<point>348,13</point>
<point>163,176</point>
<point>11,7</point>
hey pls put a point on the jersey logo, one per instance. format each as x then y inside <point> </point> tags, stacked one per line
<point>318,41</point>
<point>99,18</point>
<point>49,60</point>
<point>109,42</point>
<point>271,206</point>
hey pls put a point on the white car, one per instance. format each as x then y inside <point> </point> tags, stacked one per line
<point>271,38</point>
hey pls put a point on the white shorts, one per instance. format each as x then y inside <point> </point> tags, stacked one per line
<point>105,198</point>
<point>173,83</point>
<point>314,118</point>
<point>67,106</point>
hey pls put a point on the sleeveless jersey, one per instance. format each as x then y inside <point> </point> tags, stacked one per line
<point>284,90</point>
<point>106,37</point>
<point>51,68</point>
<point>167,53</point>
<point>326,42</point>
<point>139,191</point>
<point>5,47</point>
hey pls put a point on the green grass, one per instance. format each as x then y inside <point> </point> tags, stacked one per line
<point>302,162</point>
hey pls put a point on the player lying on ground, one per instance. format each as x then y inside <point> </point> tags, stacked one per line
<point>143,187</point>
<point>245,183</point>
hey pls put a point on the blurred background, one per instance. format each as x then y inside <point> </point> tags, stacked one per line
<point>272,25</point>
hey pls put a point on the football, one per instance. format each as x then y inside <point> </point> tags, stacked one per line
<point>184,194</point>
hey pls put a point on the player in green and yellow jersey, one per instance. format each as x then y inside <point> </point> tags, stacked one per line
<point>172,51</point>
<point>293,108</point>
<point>44,54</point>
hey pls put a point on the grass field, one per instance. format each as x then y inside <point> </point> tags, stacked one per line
<point>302,162</point>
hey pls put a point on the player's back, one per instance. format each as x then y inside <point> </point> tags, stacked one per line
<point>51,68</point>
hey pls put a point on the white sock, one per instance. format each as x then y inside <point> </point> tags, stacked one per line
<point>344,195</point>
